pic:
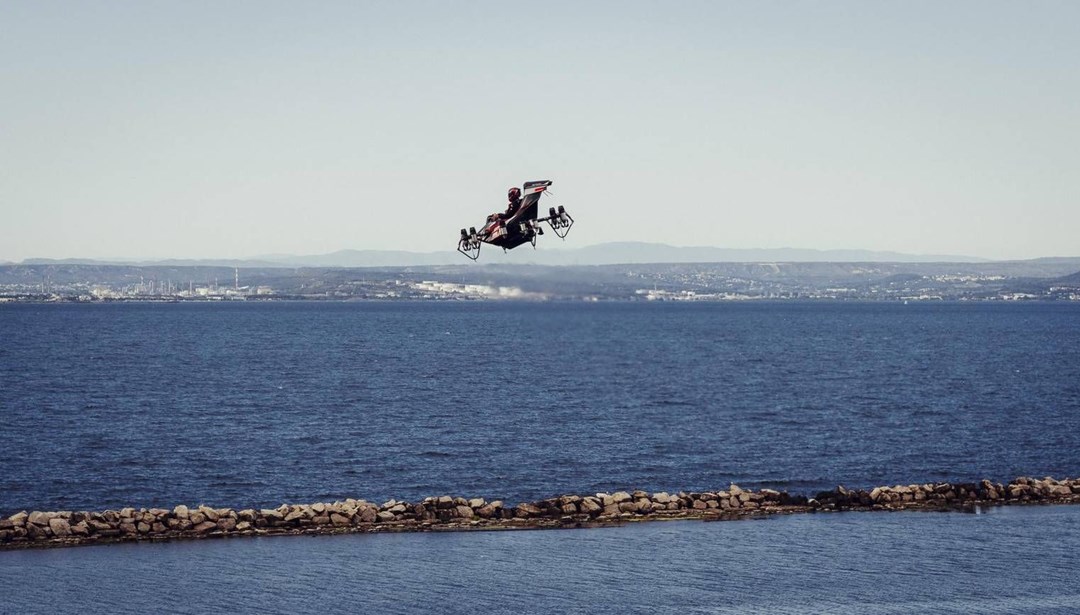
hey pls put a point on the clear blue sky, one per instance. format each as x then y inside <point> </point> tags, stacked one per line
<point>233,129</point>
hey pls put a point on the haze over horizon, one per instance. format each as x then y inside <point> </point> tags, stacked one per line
<point>229,131</point>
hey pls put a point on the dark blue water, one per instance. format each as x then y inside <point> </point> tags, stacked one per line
<point>103,406</point>
<point>1012,560</point>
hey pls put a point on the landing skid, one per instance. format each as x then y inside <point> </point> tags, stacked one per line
<point>469,244</point>
<point>560,221</point>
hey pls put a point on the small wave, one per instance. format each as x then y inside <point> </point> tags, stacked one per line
<point>436,454</point>
<point>672,402</point>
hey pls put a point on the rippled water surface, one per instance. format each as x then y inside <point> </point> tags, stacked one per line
<point>103,406</point>
<point>258,404</point>
<point>1010,560</point>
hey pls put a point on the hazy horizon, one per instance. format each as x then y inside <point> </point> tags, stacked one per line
<point>496,255</point>
<point>230,131</point>
<point>556,253</point>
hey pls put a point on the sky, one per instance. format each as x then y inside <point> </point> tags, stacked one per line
<point>236,129</point>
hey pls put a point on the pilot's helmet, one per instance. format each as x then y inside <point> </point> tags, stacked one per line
<point>514,193</point>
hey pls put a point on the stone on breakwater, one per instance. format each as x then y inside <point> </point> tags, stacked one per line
<point>590,506</point>
<point>59,527</point>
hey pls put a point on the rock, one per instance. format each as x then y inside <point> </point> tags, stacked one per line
<point>368,514</point>
<point>129,528</point>
<point>734,490</point>
<point>320,520</point>
<point>196,518</point>
<point>621,496</point>
<point>397,509</point>
<point>338,519</point>
<point>181,512</point>
<point>661,498</point>
<point>142,527</point>
<point>876,494</point>
<point>444,501</point>
<point>36,532</point>
<point>82,528</point>
<point>699,505</point>
<point>19,518</point>
<point>569,508</point>
<point>157,527</point>
<point>476,503</point>
<point>296,515</point>
<point>590,506</point>
<point>384,516</point>
<point>243,526</point>
<point>205,527</point>
<point>39,518</point>
<point>60,527</point>
<point>465,512</point>
<point>226,524</point>
<point>318,507</point>
<point>491,510</point>
<point>524,511</point>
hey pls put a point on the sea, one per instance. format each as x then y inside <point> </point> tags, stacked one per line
<point>254,404</point>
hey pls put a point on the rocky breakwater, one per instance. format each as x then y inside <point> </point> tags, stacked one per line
<point>44,529</point>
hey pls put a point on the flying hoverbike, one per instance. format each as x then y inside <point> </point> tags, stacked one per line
<point>520,227</point>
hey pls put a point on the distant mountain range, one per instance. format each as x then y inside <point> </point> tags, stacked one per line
<point>599,254</point>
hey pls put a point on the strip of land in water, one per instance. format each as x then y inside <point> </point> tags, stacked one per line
<point>445,513</point>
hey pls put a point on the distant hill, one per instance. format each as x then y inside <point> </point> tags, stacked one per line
<point>603,254</point>
<point>551,254</point>
<point>168,262</point>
